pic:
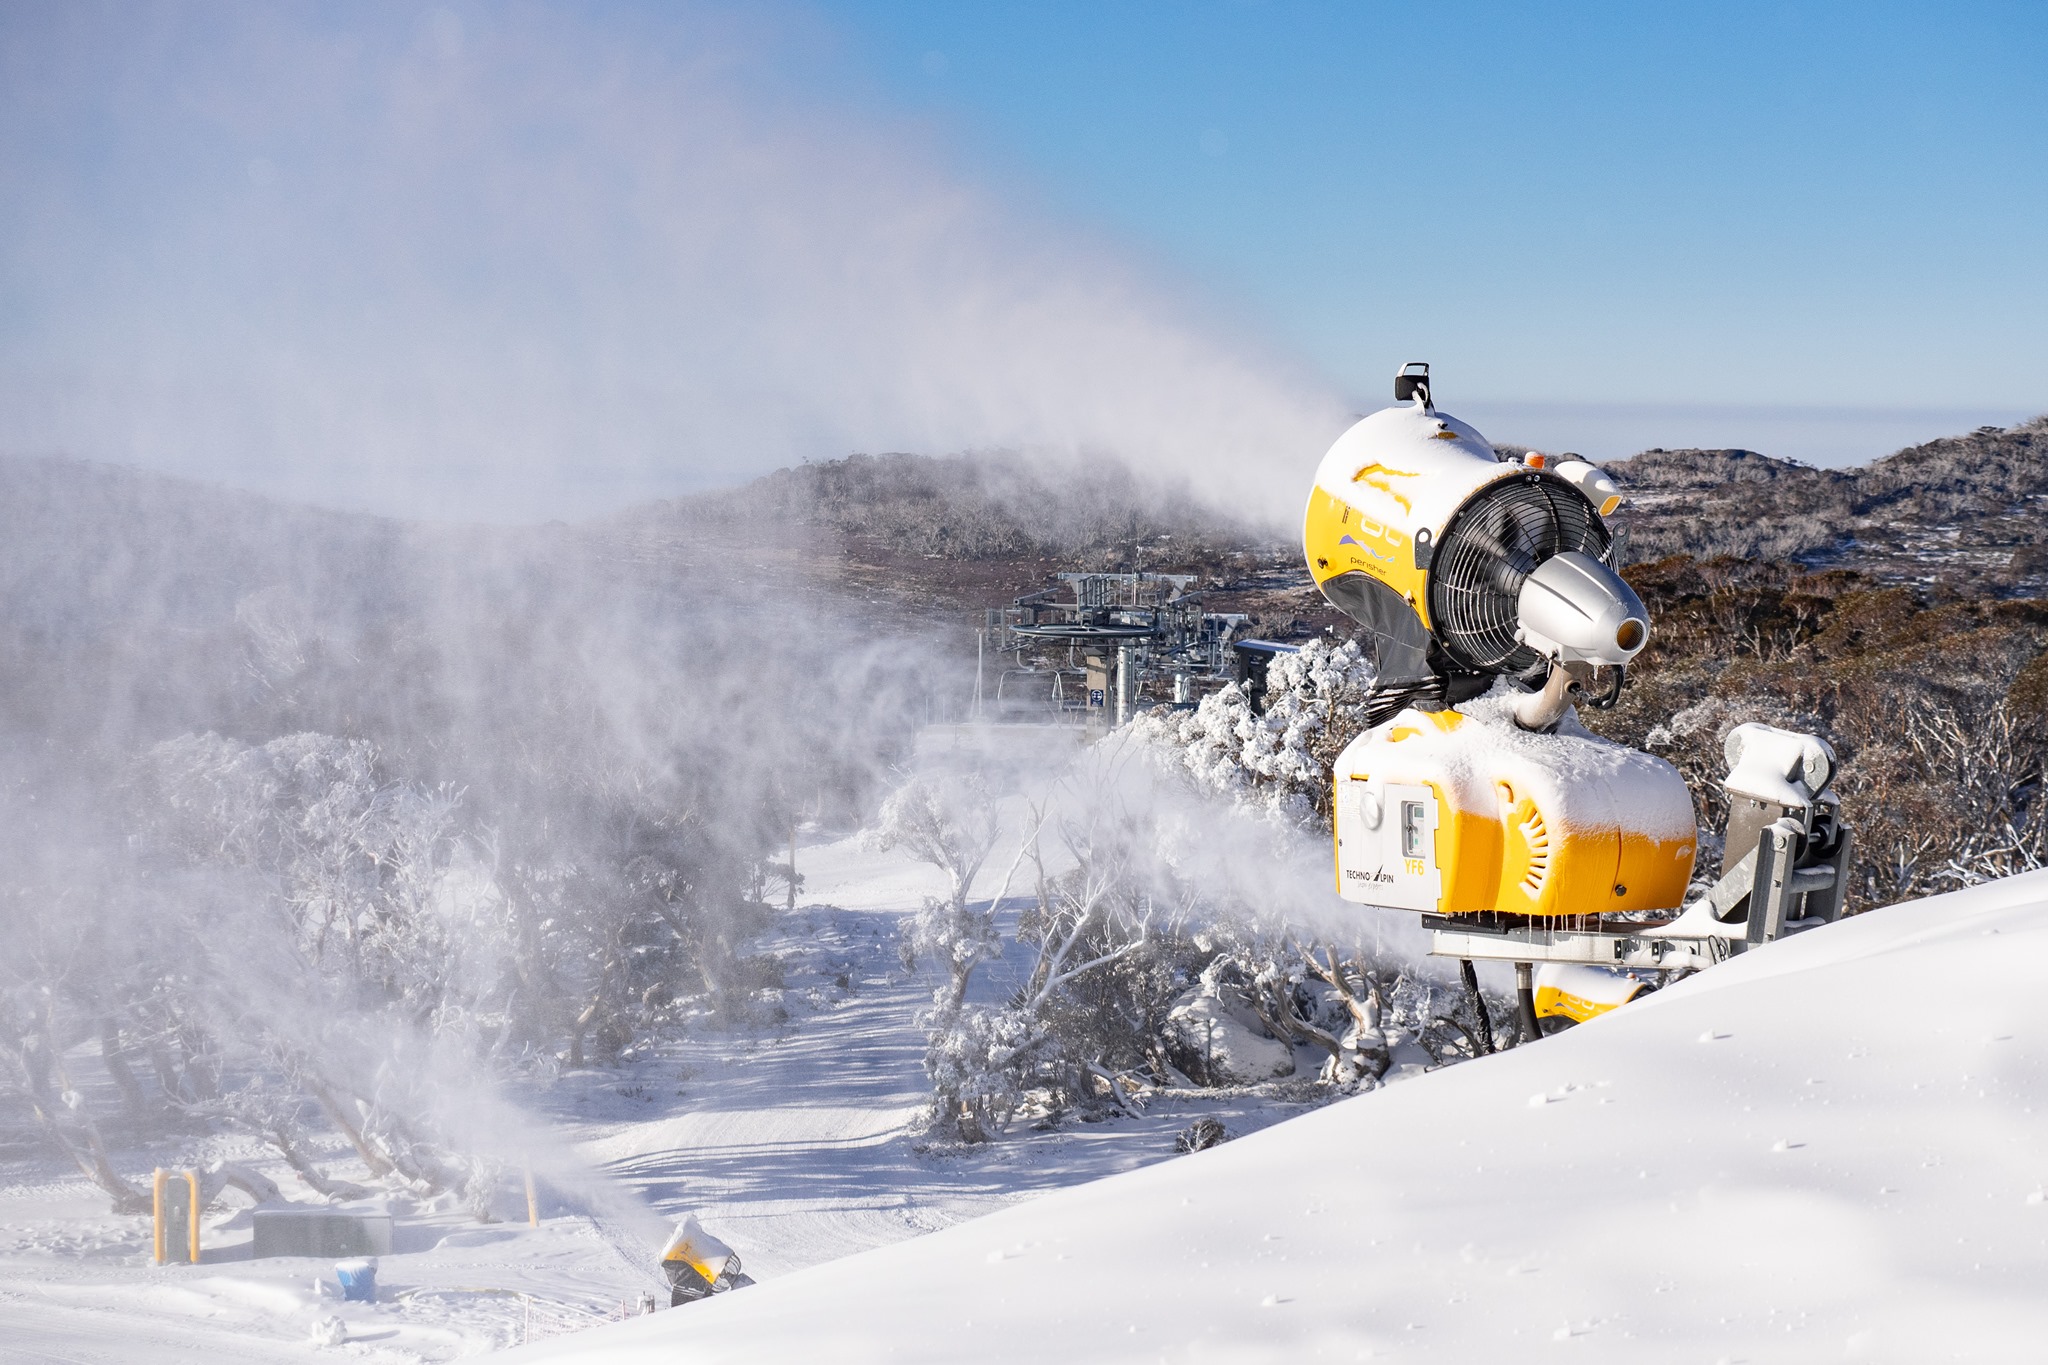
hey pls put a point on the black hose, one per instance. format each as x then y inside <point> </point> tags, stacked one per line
<point>1478,1005</point>
<point>1525,1002</point>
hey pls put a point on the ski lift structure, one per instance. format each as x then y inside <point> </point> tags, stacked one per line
<point>1099,646</point>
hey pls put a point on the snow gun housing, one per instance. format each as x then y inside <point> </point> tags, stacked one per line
<point>1464,566</point>
<point>1488,593</point>
<point>698,1265</point>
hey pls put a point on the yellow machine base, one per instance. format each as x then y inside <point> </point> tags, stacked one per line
<point>1462,812</point>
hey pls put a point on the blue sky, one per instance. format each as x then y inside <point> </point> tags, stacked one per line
<point>513,261</point>
<point>1836,208</point>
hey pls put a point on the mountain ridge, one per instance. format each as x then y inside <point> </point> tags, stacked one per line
<point>1976,501</point>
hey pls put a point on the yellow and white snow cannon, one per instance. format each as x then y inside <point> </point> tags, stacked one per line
<point>699,1265</point>
<point>1487,588</point>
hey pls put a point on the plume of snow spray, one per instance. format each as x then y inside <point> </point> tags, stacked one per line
<point>475,263</point>
<point>489,263</point>
<point>1264,871</point>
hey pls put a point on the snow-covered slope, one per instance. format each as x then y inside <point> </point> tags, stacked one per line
<point>1830,1149</point>
<point>795,1140</point>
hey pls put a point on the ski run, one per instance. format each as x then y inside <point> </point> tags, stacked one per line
<point>1829,1149</point>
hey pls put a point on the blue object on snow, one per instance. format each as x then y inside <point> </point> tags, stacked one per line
<point>358,1281</point>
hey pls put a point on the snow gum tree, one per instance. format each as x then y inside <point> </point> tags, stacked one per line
<point>1343,1018</point>
<point>1278,761</point>
<point>96,960</point>
<point>1096,996</point>
<point>361,865</point>
<point>1091,1008</point>
<point>363,924</point>
<point>953,823</point>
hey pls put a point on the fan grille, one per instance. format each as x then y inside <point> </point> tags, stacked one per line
<point>1493,543</point>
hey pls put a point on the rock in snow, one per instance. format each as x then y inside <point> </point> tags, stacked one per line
<point>1231,1046</point>
<point>1449,1219</point>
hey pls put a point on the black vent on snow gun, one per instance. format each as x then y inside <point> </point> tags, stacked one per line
<point>1412,380</point>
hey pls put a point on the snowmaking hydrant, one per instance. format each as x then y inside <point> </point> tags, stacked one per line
<point>1486,586</point>
<point>698,1265</point>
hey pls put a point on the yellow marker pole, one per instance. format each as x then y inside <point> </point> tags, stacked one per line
<point>532,1202</point>
<point>157,1212</point>
<point>192,1181</point>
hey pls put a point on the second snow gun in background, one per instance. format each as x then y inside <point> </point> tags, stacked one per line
<point>698,1265</point>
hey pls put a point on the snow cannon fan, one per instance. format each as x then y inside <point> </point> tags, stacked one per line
<point>1464,566</point>
<point>1486,587</point>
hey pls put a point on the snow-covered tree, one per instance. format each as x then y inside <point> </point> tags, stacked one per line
<point>1989,761</point>
<point>381,896</point>
<point>1279,761</point>
<point>953,822</point>
<point>1092,1006</point>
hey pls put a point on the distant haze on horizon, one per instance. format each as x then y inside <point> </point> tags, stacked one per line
<point>476,263</point>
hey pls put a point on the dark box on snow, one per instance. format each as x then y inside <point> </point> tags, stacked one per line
<point>321,1232</point>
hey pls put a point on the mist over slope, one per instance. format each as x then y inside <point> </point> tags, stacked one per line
<point>985,505</point>
<point>200,605</point>
<point>318,809</point>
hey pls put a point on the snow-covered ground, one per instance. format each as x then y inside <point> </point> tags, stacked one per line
<point>1831,1149</point>
<point>795,1141</point>
<point>1825,1150</point>
<point>798,1145</point>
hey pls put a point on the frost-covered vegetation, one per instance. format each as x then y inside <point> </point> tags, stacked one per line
<point>1990,485</point>
<point>1158,956</point>
<point>1935,698</point>
<point>1278,760</point>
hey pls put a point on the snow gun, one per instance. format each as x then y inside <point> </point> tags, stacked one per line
<point>698,1265</point>
<point>1487,587</point>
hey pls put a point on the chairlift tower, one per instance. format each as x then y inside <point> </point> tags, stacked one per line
<point>1131,640</point>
